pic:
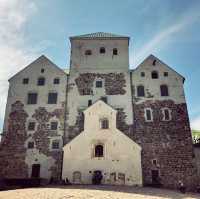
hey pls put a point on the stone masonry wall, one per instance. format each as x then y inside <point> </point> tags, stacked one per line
<point>13,142</point>
<point>168,142</point>
<point>114,83</point>
<point>12,149</point>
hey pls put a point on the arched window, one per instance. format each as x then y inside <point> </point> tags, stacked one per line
<point>104,123</point>
<point>41,81</point>
<point>140,91</point>
<point>154,75</point>
<point>115,51</point>
<point>102,50</point>
<point>164,90</point>
<point>99,150</point>
<point>88,52</point>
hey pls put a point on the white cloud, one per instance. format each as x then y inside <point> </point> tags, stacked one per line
<point>162,37</point>
<point>14,15</point>
<point>195,123</point>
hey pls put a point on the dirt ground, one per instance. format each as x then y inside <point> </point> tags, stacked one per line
<point>97,192</point>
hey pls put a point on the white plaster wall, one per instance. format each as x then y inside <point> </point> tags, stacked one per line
<point>19,91</point>
<point>122,155</point>
<point>97,60</point>
<point>174,81</point>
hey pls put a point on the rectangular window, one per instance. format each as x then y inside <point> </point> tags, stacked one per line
<point>52,98</point>
<point>30,145</point>
<point>25,81</point>
<point>148,115</point>
<point>41,81</point>
<point>99,84</point>
<point>55,144</point>
<point>54,125</point>
<point>31,126</point>
<point>56,81</point>
<point>32,98</point>
<point>104,124</point>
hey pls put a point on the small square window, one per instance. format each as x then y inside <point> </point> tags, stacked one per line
<point>99,84</point>
<point>31,126</point>
<point>32,98</point>
<point>165,74</point>
<point>55,144</point>
<point>142,74</point>
<point>56,81</point>
<point>30,145</point>
<point>54,126</point>
<point>52,98</point>
<point>25,80</point>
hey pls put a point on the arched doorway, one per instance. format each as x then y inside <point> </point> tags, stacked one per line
<point>77,177</point>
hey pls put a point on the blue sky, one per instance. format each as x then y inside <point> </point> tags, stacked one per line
<point>168,29</point>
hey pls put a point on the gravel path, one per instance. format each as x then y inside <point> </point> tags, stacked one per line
<point>97,192</point>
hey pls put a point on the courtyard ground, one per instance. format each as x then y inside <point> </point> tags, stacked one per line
<point>97,192</point>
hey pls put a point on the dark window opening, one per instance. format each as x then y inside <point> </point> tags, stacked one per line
<point>165,74</point>
<point>31,126</point>
<point>115,51</point>
<point>88,52</point>
<point>52,98</point>
<point>54,125</point>
<point>142,74</point>
<point>154,75</point>
<point>41,81</point>
<point>99,84</point>
<point>89,103</point>
<point>42,70</point>
<point>166,114</point>
<point>55,144</point>
<point>99,150</point>
<point>56,81</point>
<point>102,50</point>
<point>148,115</point>
<point>104,124</point>
<point>154,162</point>
<point>25,80</point>
<point>154,62</point>
<point>32,98</point>
<point>140,91</point>
<point>104,99</point>
<point>164,90</point>
<point>30,145</point>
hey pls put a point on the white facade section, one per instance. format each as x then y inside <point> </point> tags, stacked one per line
<point>97,60</point>
<point>173,80</point>
<point>122,156</point>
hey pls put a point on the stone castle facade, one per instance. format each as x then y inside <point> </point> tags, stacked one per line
<point>132,126</point>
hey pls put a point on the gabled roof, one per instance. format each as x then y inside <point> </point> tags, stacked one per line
<point>96,104</point>
<point>99,35</point>
<point>39,59</point>
<point>154,57</point>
